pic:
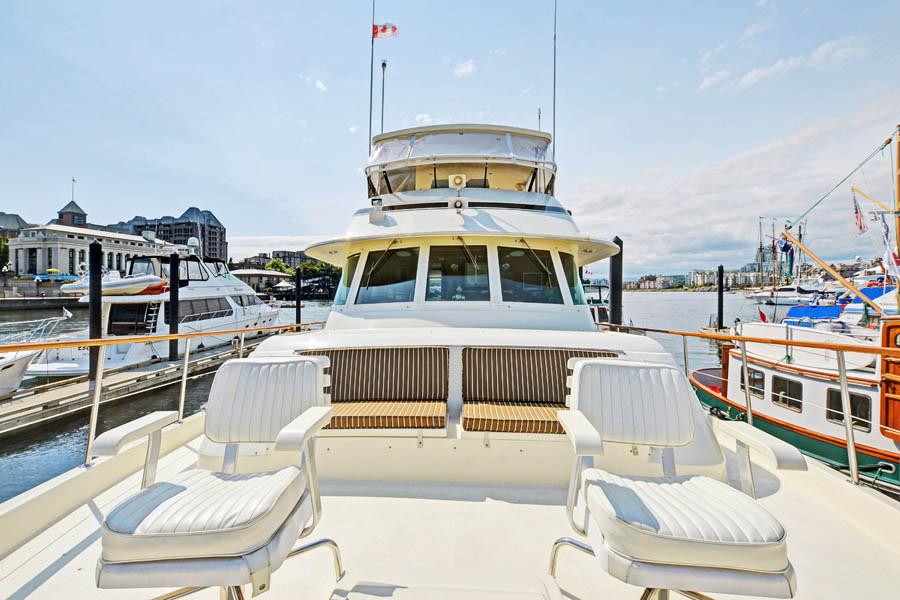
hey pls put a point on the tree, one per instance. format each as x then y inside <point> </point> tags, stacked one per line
<point>4,252</point>
<point>276,264</point>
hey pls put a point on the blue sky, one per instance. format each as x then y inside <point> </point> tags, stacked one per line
<point>679,123</point>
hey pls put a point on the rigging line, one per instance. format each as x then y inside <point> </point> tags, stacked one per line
<point>839,184</point>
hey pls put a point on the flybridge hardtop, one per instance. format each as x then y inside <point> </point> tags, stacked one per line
<point>463,180</point>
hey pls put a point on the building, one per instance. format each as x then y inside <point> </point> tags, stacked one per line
<point>291,258</point>
<point>261,279</point>
<point>10,226</point>
<point>201,224</point>
<point>254,262</point>
<point>64,247</point>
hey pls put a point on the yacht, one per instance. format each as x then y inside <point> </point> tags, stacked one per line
<point>459,429</point>
<point>211,299</point>
<point>13,365</point>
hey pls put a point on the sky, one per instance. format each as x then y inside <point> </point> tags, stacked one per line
<point>679,124</point>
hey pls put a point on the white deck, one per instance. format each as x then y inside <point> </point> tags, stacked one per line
<point>422,541</point>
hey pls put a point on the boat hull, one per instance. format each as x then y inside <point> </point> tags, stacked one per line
<point>12,370</point>
<point>833,453</point>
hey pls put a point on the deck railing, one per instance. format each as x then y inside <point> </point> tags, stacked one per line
<point>97,385</point>
<point>742,341</point>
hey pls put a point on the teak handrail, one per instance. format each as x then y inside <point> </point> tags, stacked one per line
<point>864,349</point>
<point>141,339</point>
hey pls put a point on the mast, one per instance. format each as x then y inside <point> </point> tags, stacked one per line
<point>774,258</point>
<point>897,187</point>
<point>759,255</point>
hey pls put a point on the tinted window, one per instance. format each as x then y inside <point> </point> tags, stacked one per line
<point>528,276</point>
<point>757,382</point>
<point>860,408</point>
<point>573,278</point>
<point>390,276</point>
<point>787,392</point>
<point>458,273</point>
<point>343,291</point>
<point>128,319</point>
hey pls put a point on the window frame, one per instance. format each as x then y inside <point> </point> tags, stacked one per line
<point>788,404</point>
<point>554,261</point>
<point>488,273</point>
<point>755,392</point>
<point>360,273</point>
<point>859,423</point>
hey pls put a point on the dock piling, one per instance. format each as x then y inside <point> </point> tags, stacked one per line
<point>298,293</point>
<point>615,284</point>
<point>720,298</point>
<point>95,303</point>
<point>174,284</point>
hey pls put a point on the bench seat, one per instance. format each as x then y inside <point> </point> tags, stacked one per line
<point>511,417</point>
<point>389,414</point>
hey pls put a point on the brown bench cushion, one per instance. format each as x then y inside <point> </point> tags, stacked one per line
<point>517,390</point>
<point>388,388</point>
<point>511,417</point>
<point>388,414</point>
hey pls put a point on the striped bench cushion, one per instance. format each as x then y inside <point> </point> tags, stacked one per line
<point>388,388</point>
<point>517,390</point>
<point>511,417</point>
<point>375,414</point>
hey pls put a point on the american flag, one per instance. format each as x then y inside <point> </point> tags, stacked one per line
<point>384,31</point>
<point>859,220</point>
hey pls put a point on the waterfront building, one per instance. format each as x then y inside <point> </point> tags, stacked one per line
<point>258,261</point>
<point>201,224</point>
<point>291,258</point>
<point>261,279</point>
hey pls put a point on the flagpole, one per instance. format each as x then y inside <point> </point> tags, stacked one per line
<point>554,80</point>
<point>371,74</point>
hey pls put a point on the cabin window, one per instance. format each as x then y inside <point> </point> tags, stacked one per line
<point>528,275</point>
<point>757,382</point>
<point>573,278</point>
<point>458,273</point>
<point>128,319</point>
<point>343,291</point>
<point>247,300</point>
<point>199,310</point>
<point>390,276</point>
<point>787,393</point>
<point>860,409</point>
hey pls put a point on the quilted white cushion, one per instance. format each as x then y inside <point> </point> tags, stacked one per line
<point>690,521</point>
<point>633,402</point>
<point>201,513</point>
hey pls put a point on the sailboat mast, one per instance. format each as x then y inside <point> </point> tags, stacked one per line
<point>897,187</point>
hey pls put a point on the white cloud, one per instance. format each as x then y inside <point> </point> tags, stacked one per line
<point>317,83</point>
<point>663,88</point>
<point>830,53</point>
<point>465,68</point>
<point>708,216</point>
<point>353,129</point>
<point>321,86</point>
<point>424,118</point>
<point>754,29</point>
<point>264,45</point>
<point>713,80</point>
<point>707,57</point>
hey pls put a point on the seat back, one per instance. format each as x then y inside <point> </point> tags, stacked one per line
<point>252,399</point>
<point>387,374</point>
<point>633,402</point>
<point>534,375</point>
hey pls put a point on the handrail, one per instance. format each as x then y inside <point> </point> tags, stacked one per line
<point>140,339</point>
<point>863,349</point>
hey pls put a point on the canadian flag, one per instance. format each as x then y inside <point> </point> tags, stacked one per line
<point>762,315</point>
<point>384,31</point>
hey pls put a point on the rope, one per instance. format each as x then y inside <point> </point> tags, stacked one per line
<point>839,184</point>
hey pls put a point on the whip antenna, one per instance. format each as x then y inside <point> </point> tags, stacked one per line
<point>554,81</point>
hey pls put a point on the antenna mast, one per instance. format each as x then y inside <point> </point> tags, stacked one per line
<point>371,75</point>
<point>554,80</point>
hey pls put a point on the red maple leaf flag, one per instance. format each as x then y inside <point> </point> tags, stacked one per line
<point>384,31</point>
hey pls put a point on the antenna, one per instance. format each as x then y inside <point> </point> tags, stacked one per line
<point>554,80</point>
<point>371,75</point>
<point>539,118</point>
<point>383,69</point>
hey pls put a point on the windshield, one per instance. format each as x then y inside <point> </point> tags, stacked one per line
<point>390,276</point>
<point>343,291</point>
<point>458,273</point>
<point>495,176</point>
<point>528,275</point>
<point>573,278</point>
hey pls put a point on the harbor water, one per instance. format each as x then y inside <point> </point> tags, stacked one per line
<point>35,456</point>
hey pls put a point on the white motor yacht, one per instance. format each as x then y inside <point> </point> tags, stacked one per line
<point>458,430</point>
<point>211,299</point>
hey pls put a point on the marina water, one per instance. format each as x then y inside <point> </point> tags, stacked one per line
<point>37,455</point>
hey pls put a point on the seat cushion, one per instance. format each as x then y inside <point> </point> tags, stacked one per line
<point>202,513</point>
<point>690,521</point>
<point>511,417</point>
<point>388,414</point>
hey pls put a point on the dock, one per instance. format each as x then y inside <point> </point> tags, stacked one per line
<point>41,303</point>
<point>28,408</point>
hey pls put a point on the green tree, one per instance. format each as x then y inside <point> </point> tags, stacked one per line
<point>4,252</point>
<point>276,264</point>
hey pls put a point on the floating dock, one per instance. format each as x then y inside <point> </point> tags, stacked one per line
<point>30,407</point>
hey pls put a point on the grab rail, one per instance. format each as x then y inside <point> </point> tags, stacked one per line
<point>838,349</point>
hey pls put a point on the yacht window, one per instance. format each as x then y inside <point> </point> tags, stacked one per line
<point>573,278</point>
<point>787,393</point>
<point>860,408</point>
<point>194,271</point>
<point>142,266</point>
<point>128,319</point>
<point>458,273</point>
<point>199,310</point>
<point>528,276</point>
<point>390,276</point>
<point>757,382</point>
<point>343,291</point>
